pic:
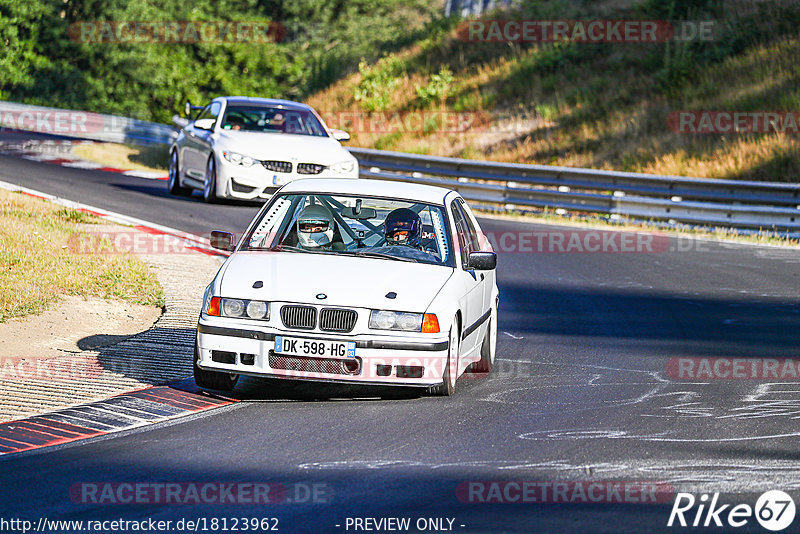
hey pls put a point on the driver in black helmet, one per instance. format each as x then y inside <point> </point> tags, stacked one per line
<point>403,227</point>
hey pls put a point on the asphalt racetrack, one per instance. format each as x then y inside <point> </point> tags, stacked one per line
<point>586,388</point>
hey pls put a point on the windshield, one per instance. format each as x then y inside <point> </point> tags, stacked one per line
<point>353,226</point>
<point>272,119</point>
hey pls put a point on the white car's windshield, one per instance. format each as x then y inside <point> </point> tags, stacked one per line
<point>271,119</point>
<point>392,229</point>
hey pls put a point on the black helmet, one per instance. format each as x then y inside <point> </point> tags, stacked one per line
<point>403,227</point>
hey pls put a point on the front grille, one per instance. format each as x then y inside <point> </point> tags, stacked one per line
<point>337,320</point>
<point>309,168</point>
<point>300,317</point>
<point>314,365</point>
<point>277,166</point>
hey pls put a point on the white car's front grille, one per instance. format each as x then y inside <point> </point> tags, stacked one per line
<point>309,168</point>
<point>305,364</point>
<point>300,317</point>
<point>337,320</point>
<point>277,166</point>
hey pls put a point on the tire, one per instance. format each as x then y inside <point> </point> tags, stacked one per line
<point>488,347</point>
<point>213,379</point>
<point>450,374</point>
<point>173,182</point>
<point>210,183</point>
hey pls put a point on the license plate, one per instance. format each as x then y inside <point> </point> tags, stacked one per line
<point>312,347</point>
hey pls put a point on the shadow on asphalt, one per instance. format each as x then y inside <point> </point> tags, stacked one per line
<point>656,322</point>
<point>159,189</point>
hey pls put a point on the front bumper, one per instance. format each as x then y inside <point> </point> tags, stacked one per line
<point>381,359</point>
<point>256,182</point>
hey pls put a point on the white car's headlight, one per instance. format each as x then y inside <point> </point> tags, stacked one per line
<point>239,159</point>
<point>390,320</point>
<point>344,167</point>
<point>246,309</point>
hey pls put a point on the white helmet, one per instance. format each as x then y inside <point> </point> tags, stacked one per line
<point>315,227</point>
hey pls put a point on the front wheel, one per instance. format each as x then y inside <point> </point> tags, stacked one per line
<point>450,373</point>
<point>221,381</point>
<point>174,179</point>
<point>488,347</point>
<point>210,183</point>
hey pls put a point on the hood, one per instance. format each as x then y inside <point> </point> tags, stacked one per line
<point>347,281</point>
<point>278,146</point>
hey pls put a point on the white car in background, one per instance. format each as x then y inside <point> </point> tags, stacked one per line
<point>246,148</point>
<point>356,281</point>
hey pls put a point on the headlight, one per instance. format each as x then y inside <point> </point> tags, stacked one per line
<point>257,309</point>
<point>232,307</point>
<point>239,159</point>
<point>344,167</point>
<point>389,320</point>
<point>246,309</point>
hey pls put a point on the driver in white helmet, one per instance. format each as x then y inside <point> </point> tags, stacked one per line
<point>316,229</point>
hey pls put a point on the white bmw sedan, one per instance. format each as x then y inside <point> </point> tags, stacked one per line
<point>356,281</point>
<point>246,148</point>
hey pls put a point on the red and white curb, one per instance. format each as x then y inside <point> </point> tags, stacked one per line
<point>54,153</point>
<point>121,412</point>
<point>190,241</point>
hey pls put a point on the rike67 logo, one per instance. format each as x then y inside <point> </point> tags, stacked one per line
<point>774,510</point>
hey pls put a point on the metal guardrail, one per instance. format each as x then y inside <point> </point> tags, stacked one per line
<point>83,124</point>
<point>513,187</point>
<point>500,186</point>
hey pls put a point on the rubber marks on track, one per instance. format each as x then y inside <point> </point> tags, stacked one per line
<point>122,412</point>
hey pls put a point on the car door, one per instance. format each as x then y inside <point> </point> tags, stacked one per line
<point>482,244</point>
<point>198,143</point>
<point>470,281</point>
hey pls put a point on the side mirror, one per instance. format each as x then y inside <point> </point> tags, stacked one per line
<point>222,241</point>
<point>205,124</point>
<point>187,110</point>
<point>483,261</point>
<point>340,135</point>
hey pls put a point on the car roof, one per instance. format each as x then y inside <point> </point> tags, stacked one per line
<point>290,104</point>
<point>379,188</point>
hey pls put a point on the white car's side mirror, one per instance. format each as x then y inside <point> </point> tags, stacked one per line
<point>222,241</point>
<point>205,124</point>
<point>340,135</point>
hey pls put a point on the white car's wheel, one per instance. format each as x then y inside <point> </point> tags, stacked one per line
<point>450,373</point>
<point>210,183</point>
<point>173,181</point>
<point>488,347</point>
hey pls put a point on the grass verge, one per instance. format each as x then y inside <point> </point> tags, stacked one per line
<point>37,265</point>
<point>128,157</point>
